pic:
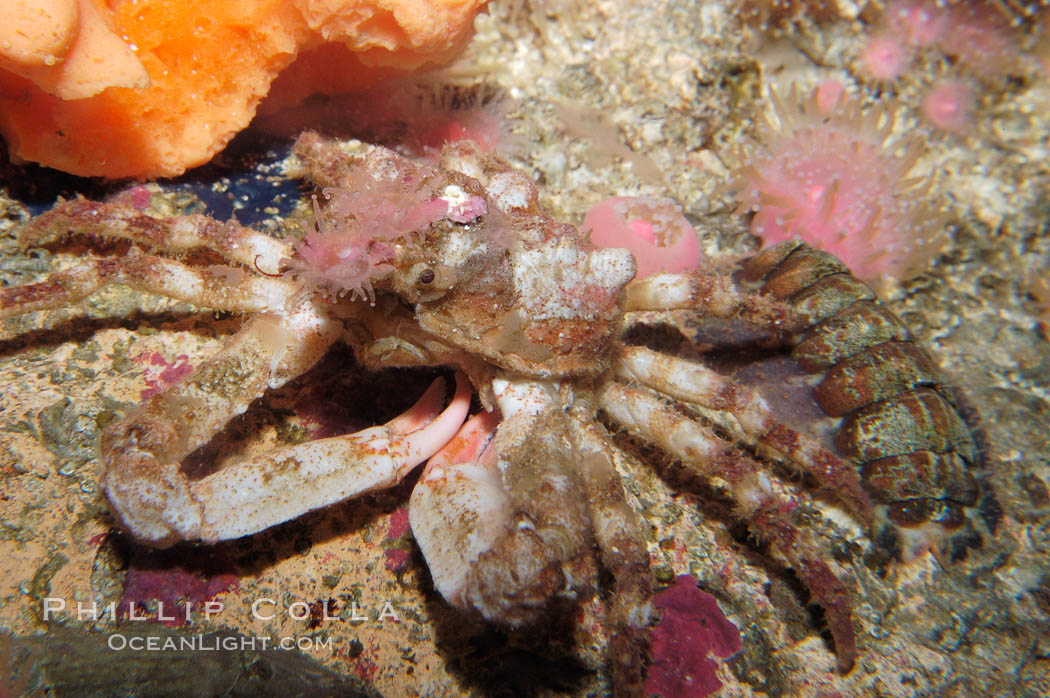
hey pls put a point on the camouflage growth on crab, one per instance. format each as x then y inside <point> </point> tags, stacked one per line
<point>517,509</point>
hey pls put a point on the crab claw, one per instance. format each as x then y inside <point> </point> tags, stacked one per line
<point>160,506</point>
<point>499,513</point>
<point>461,486</point>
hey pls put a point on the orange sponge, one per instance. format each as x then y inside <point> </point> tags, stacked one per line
<point>148,88</point>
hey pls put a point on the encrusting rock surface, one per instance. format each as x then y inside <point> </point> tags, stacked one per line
<point>600,99</point>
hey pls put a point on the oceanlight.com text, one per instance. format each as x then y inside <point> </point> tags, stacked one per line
<point>214,643</point>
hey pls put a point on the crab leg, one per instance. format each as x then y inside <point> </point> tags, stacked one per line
<point>222,288</point>
<point>621,542</point>
<point>236,243</point>
<point>693,382</point>
<point>141,454</point>
<point>766,510</point>
<point>160,506</point>
<point>711,293</point>
<point>288,482</point>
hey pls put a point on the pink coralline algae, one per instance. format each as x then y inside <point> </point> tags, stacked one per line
<point>692,630</point>
<point>843,182</point>
<point>397,557</point>
<point>155,589</point>
<point>398,523</point>
<point>161,374</point>
<point>654,230</point>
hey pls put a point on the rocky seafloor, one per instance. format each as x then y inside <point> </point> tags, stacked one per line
<point>602,99</point>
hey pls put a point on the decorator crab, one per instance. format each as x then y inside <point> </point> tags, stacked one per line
<point>456,265</point>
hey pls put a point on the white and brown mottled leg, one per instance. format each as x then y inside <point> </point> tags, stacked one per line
<point>160,506</point>
<point>622,547</point>
<point>713,294</point>
<point>219,287</point>
<point>766,508</point>
<point>286,483</point>
<point>141,454</point>
<point>693,382</point>
<point>233,241</point>
<point>502,517</point>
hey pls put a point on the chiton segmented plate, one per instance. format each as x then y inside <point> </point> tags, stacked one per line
<point>910,431</point>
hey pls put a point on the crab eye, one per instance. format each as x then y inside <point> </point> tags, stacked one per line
<point>422,282</point>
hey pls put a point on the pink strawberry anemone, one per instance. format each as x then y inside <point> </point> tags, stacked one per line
<point>842,182</point>
<point>352,240</point>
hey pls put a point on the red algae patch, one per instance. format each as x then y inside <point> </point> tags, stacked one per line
<point>691,636</point>
<point>842,182</point>
<point>159,589</point>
